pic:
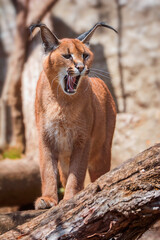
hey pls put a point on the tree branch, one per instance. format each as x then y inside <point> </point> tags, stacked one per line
<point>37,16</point>
<point>121,204</point>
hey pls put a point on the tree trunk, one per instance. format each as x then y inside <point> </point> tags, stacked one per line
<point>11,95</point>
<point>121,204</point>
<point>11,100</point>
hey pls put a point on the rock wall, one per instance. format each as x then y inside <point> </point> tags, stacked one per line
<point>141,53</point>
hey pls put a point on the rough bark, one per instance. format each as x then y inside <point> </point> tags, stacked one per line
<point>12,220</point>
<point>19,182</point>
<point>121,204</point>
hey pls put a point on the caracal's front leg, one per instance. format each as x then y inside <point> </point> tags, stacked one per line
<point>77,170</point>
<point>48,170</point>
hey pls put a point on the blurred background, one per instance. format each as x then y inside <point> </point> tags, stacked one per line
<point>129,64</point>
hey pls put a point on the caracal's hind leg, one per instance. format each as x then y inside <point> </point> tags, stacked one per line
<point>99,164</point>
<point>63,166</point>
<point>100,157</point>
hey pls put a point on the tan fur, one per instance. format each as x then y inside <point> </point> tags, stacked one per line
<point>76,130</point>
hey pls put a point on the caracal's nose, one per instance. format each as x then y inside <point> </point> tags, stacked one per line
<point>80,67</point>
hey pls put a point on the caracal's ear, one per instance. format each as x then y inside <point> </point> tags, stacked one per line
<point>50,41</point>
<point>85,37</point>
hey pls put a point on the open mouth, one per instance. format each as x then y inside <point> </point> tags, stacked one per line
<point>71,83</point>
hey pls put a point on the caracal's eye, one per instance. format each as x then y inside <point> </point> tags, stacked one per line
<point>85,56</point>
<point>67,56</point>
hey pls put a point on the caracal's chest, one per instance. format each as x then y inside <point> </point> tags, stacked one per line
<point>64,128</point>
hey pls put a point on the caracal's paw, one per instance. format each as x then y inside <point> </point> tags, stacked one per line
<point>45,202</point>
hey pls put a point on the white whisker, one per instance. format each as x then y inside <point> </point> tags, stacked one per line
<point>102,75</point>
<point>99,70</point>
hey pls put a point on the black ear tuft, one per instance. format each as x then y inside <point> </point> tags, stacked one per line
<point>50,41</point>
<point>33,26</point>
<point>85,37</point>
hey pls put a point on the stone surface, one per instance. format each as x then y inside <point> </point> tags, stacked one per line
<point>133,134</point>
<point>153,233</point>
<point>141,54</point>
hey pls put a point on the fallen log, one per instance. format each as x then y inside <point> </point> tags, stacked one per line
<point>12,220</point>
<point>20,182</point>
<point>121,204</point>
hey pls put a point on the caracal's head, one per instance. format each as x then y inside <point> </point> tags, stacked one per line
<point>67,60</point>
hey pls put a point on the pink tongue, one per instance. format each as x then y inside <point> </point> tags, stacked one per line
<point>70,82</point>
